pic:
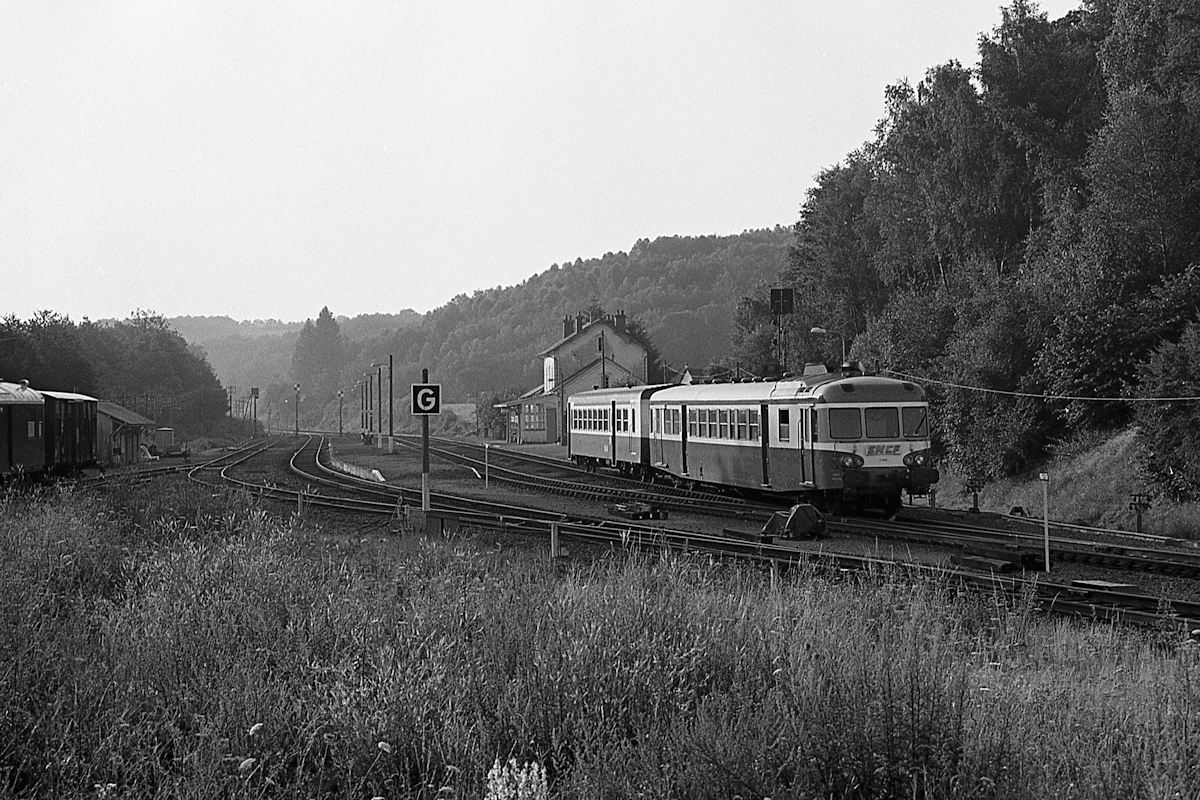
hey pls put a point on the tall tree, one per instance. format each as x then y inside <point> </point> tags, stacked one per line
<point>319,359</point>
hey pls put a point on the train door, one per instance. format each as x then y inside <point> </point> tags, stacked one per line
<point>786,431</point>
<point>612,432</point>
<point>656,434</point>
<point>764,439</point>
<point>683,439</point>
<point>810,438</point>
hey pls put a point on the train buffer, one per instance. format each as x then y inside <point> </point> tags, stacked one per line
<point>637,510</point>
<point>801,521</point>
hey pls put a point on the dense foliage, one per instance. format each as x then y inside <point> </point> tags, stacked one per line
<point>140,363</point>
<point>1024,228</point>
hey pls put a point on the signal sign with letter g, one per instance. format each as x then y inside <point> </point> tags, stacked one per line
<point>426,398</point>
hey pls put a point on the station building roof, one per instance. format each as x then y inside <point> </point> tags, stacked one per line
<point>123,415</point>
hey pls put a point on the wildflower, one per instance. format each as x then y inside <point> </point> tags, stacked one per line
<point>385,747</point>
<point>247,764</point>
<point>255,728</point>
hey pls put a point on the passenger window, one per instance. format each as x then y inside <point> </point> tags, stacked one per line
<point>743,419</point>
<point>882,423</point>
<point>723,417</point>
<point>754,426</point>
<point>916,422</point>
<point>785,425</point>
<point>845,423</point>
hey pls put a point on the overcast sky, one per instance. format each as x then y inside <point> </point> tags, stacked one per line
<point>265,159</point>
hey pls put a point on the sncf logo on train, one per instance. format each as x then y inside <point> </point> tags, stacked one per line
<point>883,450</point>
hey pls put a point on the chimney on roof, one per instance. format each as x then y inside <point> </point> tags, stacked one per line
<point>579,322</point>
<point>619,321</point>
<point>568,326</point>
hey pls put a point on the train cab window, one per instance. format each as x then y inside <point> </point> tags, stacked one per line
<point>845,423</point>
<point>882,422</point>
<point>916,422</point>
<point>785,425</point>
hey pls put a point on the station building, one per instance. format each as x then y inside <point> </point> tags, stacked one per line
<point>122,434</point>
<point>593,353</point>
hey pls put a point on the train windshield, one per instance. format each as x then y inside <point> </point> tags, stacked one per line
<point>882,422</point>
<point>845,423</point>
<point>916,422</point>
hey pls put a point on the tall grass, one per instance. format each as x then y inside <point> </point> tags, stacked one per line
<point>164,642</point>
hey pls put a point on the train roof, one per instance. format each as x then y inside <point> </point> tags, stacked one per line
<point>69,396</point>
<point>827,387</point>
<point>19,394</point>
<point>623,393</point>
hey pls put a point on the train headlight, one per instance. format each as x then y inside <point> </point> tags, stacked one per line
<point>850,461</point>
<point>917,458</point>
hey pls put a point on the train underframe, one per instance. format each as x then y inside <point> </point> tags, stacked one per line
<point>870,488</point>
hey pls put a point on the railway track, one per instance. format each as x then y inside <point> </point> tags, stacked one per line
<point>1127,554</point>
<point>328,489</point>
<point>587,484</point>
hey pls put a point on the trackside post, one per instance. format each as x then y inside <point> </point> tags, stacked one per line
<point>426,400</point>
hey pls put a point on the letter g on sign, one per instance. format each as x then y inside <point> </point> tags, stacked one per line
<point>426,398</point>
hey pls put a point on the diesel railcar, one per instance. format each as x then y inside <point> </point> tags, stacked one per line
<point>828,438</point>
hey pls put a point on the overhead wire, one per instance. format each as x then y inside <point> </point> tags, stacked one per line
<point>1072,398</point>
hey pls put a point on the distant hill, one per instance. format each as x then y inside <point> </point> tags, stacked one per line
<point>259,352</point>
<point>683,290</point>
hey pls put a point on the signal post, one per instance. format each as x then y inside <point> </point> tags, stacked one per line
<point>426,402</point>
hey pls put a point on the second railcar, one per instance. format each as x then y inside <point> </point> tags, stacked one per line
<point>608,427</point>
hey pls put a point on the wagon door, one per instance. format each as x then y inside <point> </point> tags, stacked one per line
<point>656,434</point>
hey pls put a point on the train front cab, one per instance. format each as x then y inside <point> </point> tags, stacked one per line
<point>872,451</point>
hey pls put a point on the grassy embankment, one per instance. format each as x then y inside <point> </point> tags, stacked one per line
<point>1091,482</point>
<point>165,641</point>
